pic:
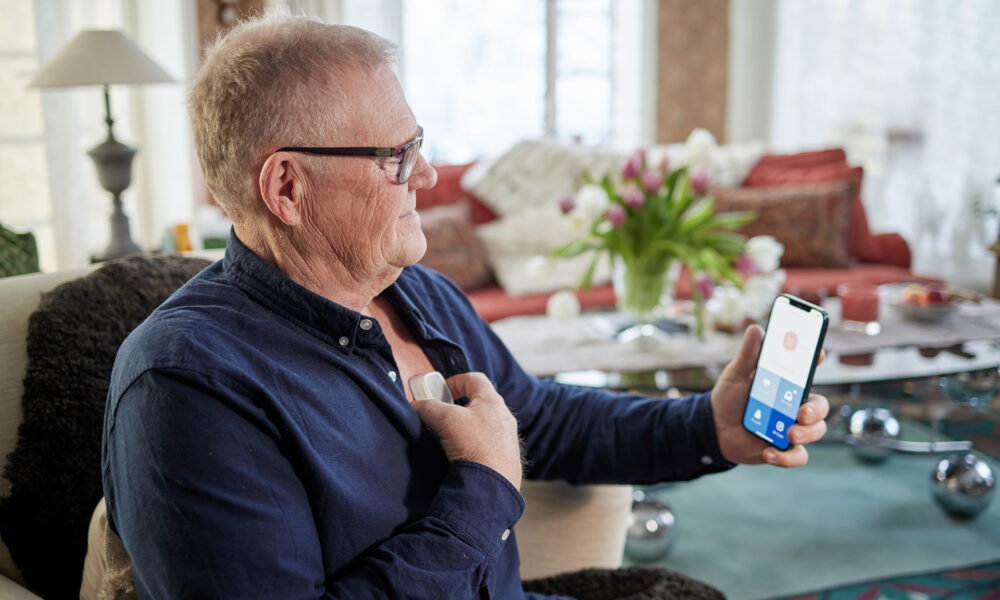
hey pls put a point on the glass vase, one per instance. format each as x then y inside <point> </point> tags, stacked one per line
<point>644,293</point>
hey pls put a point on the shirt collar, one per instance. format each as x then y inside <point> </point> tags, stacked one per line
<point>329,321</point>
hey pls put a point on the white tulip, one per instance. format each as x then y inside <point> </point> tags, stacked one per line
<point>765,251</point>
<point>699,146</point>
<point>591,202</point>
<point>759,291</point>
<point>562,306</point>
<point>727,305</point>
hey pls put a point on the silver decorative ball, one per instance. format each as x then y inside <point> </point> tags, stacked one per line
<point>872,427</point>
<point>963,484</point>
<point>652,528</point>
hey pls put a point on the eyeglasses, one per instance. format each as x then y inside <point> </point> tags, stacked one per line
<point>405,155</point>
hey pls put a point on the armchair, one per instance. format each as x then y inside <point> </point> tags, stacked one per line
<point>51,487</point>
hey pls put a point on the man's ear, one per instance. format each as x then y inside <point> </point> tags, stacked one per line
<point>282,187</point>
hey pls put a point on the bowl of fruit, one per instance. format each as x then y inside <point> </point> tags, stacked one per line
<point>928,302</point>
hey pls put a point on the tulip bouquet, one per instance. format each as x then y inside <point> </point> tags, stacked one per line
<point>654,218</point>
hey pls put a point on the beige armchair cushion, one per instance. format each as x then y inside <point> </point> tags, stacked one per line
<point>107,569</point>
<point>567,528</point>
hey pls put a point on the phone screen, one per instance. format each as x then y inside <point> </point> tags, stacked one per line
<point>788,357</point>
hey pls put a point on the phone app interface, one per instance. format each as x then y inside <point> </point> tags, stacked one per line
<point>782,371</point>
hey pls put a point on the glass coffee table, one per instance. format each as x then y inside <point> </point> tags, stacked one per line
<point>955,387</point>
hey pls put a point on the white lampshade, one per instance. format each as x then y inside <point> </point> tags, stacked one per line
<point>95,57</point>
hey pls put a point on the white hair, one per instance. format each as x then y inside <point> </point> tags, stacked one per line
<point>266,84</point>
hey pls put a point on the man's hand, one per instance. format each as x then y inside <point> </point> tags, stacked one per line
<point>729,399</point>
<point>484,431</point>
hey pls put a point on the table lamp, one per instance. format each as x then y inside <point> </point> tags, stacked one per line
<point>103,58</point>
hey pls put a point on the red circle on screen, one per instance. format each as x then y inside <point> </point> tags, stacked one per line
<point>791,341</point>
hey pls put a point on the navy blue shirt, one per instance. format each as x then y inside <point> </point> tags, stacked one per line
<point>258,444</point>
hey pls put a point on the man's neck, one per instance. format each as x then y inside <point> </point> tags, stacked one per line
<point>324,275</point>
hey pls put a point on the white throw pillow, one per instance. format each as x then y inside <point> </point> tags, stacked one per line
<point>537,172</point>
<point>728,164</point>
<point>512,244</point>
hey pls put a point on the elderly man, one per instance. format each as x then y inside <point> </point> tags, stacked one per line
<point>260,439</point>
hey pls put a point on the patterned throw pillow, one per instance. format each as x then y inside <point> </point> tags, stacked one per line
<point>452,246</point>
<point>812,221</point>
<point>816,167</point>
<point>18,253</point>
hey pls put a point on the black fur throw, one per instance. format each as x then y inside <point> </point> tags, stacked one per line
<point>630,583</point>
<point>55,469</point>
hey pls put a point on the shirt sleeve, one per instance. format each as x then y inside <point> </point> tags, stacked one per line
<point>209,503</point>
<point>586,435</point>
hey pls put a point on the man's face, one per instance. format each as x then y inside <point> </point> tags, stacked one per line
<point>356,206</point>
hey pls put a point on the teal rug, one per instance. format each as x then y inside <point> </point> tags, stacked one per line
<point>762,532</point>
<point>978,582</point>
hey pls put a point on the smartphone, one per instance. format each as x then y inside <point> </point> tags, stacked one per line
<point>788,358</point>
<point>430,386</point>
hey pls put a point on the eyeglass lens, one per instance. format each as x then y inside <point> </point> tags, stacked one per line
<point>409,160</point>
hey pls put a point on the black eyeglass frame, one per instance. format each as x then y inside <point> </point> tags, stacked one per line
<point>400,153</point>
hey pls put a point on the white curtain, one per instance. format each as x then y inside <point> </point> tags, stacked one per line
<point>910,89</point>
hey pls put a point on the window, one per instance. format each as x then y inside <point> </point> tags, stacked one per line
<point>482,75</point>
<point>24,190</point>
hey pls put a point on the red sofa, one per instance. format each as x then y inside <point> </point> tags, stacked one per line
<point>873,258</point>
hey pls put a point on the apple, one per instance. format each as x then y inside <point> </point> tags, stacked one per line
<point>936,294</point>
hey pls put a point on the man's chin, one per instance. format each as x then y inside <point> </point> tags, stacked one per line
<point>413,252</point>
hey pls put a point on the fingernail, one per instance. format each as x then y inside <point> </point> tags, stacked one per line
<point>770,456</point>
<point>810,411</point>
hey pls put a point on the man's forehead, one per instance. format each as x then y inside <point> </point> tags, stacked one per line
<point>374,109</point>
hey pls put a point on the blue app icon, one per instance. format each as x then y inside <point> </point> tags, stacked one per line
<point>765,386</point>
<point>788,398</point>
<point>757,417</point>
<point>777,429</point>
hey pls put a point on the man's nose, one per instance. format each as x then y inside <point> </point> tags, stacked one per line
<point>423,176</point>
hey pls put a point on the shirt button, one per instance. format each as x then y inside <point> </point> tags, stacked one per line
<point>366,324</point>
<point>706,460</point>
<point>343,341</point>
<point>506,534</point>
<point>392,375</point>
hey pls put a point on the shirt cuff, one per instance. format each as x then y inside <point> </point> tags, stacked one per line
<point>703,426</point>
<point>480,504</point>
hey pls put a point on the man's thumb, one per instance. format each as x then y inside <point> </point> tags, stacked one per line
<point>746,359</point>
<point>431,412</point>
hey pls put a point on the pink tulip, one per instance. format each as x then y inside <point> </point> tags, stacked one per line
<point>665,165</point>
<point>705,286</point>
<point>634,164</point>
<point>699,181</point>
<point>746,265</point>
<point>652,180</point>
<point>615,215</point>
<point>566,204</point>
<point>632,196</point>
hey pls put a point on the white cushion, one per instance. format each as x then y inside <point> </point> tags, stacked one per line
<point>536,173</point>
<point>513,241</point>
<point>728,164</point>
<point>566,528</point>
